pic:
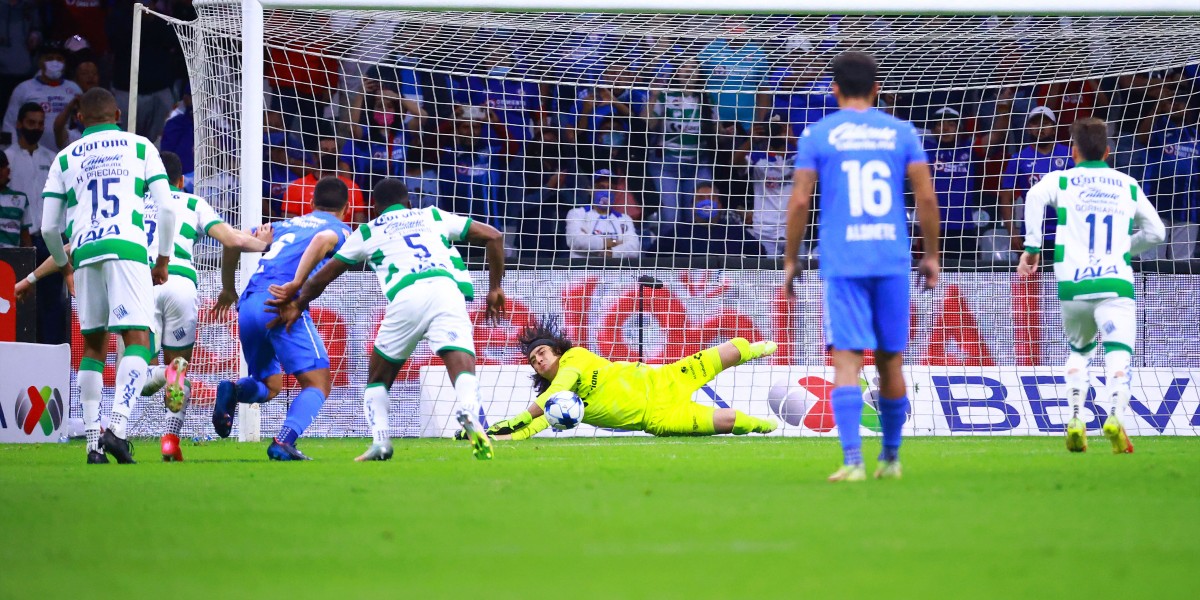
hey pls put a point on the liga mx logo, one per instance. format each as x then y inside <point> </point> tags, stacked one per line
<point>36,407</point>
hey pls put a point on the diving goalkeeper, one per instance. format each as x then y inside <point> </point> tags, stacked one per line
<point>631,396</point>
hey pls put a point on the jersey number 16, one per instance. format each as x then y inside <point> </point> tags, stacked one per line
<point>869,187</point>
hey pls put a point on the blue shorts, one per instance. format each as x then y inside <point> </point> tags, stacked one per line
<point>867,313</point>
<point>271,351</point>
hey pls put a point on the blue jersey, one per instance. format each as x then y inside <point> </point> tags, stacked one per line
<point>954,183</point>
<point>1028,166</point>
<point>861,158</point>
<point>278,265</point>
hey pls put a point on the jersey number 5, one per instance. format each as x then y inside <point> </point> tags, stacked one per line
<point>869,187</point>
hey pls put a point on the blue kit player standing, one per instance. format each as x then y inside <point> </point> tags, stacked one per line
<point>861,156</point>
<point>300,246</point>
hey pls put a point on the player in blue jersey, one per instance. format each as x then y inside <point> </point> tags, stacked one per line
<point>301,245</point>
<point>861,156</point>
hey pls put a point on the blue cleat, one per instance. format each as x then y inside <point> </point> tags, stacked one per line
<point>281,451</point>
<point>224,408</point>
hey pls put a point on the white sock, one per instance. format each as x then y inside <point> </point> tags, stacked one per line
<point>375,406</point>
<point>131,374</point>
<point>156,380</point>
<point>1116,388</point>
<point>466,390</point>
<point>175,419</point>
<point>1077,380</point>
<point>91,386</point>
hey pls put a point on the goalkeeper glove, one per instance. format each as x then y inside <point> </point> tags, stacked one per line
<point>506,427</point>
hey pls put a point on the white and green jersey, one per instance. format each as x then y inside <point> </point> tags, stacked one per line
<point>1098,209</point>
<point>682,114</point>
<point>194,216</point>
<point>103,178</point>
<point>404,245</point>
<point>15,217</point>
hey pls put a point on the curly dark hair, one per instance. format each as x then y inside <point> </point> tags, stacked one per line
<point>547,331</point>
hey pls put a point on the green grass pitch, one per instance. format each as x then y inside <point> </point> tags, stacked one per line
<point>607,518</point>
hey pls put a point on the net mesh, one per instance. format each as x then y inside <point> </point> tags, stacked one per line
<point>685,126</point>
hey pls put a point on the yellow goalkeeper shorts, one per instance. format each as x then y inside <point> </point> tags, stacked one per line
<point>670,410</point>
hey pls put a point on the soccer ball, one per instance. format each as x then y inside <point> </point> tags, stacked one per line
<point>564,410</point>
<point>788,402</point>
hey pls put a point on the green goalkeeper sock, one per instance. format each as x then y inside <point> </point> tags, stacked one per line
<point>744,423</point>
<point>743,346</point>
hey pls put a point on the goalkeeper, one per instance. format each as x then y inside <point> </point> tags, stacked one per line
<point>631,396</point>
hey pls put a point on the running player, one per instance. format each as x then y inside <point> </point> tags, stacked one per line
<point>427,286</point>
<point>1097,208</point>
<point>301,244</point>
<point>861,156</point>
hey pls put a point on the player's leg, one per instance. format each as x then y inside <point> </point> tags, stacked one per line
<point>92,296</point>
<point>157,375</point>
<point>849,329</point>
<point>1117,318</point>
<point>302,354</point>
<point>175,318</point>
<point>381,373</point>
<point>1079,324</point>
<point>890,313</point>
<point>264,379</point>
<point>131,303</point>
<point>452,336</point>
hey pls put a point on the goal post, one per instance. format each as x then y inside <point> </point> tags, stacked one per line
<point>683,116</point>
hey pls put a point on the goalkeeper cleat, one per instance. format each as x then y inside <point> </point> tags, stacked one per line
<point>481,446</point>
<point>281,451</point>
<point>176,378</point>
<point>849,473</point>
<point>766,425</point>
<point>121,449</point>
<point>1076,435</point>
<point>376,452</point>
<point>1115,432</point>
<point>888,469</point>
<point>171,450</point>
<point>761,349</point>
<point>224,408</point>
<point>96,457</point>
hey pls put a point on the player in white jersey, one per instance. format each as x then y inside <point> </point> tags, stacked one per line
<point>101,180</point>
<point>1098,209</point>
<point>427,285</point>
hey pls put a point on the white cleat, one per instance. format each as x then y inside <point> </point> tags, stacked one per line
<point>849,473</point>
<point>376,452</point>
<point>481,446</point>
<point>888,469</point>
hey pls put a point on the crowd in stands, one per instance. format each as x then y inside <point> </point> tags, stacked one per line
<point>666,147</point>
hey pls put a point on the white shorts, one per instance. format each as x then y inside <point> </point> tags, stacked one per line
<point>114,295</point>
<point>1114,318</point>
<point>175,314</point>
<point>431,309</point>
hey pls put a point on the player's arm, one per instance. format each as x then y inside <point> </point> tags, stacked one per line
<point>46,268</point>
<point>54,201</point>
<point>160,192</point>
<point>804,181</point>
<point>236,239</point>
<point>628,243</point>
<point>318,248</point>
<point>533,420</point>
<point>1036,199</point>
<point>493,240</point>
<point>1151,230</point>
<point>929,217</point>
<point>579,238</point>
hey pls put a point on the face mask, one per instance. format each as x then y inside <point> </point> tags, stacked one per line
<point>602,198</point>
<point>53,69</point>
<point>31,136</point>
<point>612,139</point>
<point>383,119</point>
<point>706,209</point>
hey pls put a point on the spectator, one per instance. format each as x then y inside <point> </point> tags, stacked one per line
<point>1027,167</point>
<point>1071,101</point>
<point>384,128</point>
<point>179,133</point>
<point>283,161</point>
<point>552,191</point>
<point>796,90</point>
<point>733,68</point>
<point>160,65</point>
<point>1174,175</point>
<point>597,231</point>
<point>67,127</point>
<point>87,20</point>
<point>599,120</point>
<point>47,88</point>
<point>771,176</point>
<point>21,34</point>
<point>623,200</point>
<point>297,200</point>
<point>954,181</point>
<point>468,175</point>
<point>302,75</point>
<point>712,231</point>
<point>678,114</point>
<point>15,217</point>
<point>422,184</point>
<point>30,162</point>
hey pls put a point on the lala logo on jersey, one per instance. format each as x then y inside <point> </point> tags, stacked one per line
<point>36,407</point>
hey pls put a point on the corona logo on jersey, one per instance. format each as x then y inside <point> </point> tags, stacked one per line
<point>38,408</point>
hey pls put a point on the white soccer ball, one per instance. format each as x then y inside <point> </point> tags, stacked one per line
<point>789,402</point>
<point>564,410</point>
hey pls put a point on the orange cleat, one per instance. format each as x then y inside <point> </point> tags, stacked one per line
<point>171,451</point>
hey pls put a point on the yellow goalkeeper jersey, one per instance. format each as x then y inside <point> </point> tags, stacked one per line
<point>614,393</point>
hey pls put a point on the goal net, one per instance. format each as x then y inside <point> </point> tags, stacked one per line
<point>639,166</point>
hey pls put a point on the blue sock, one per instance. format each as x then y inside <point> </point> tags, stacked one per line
<point>301,414</point>
<point>892,415</point>
<point>847,413</point>
<point>251,391</point>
